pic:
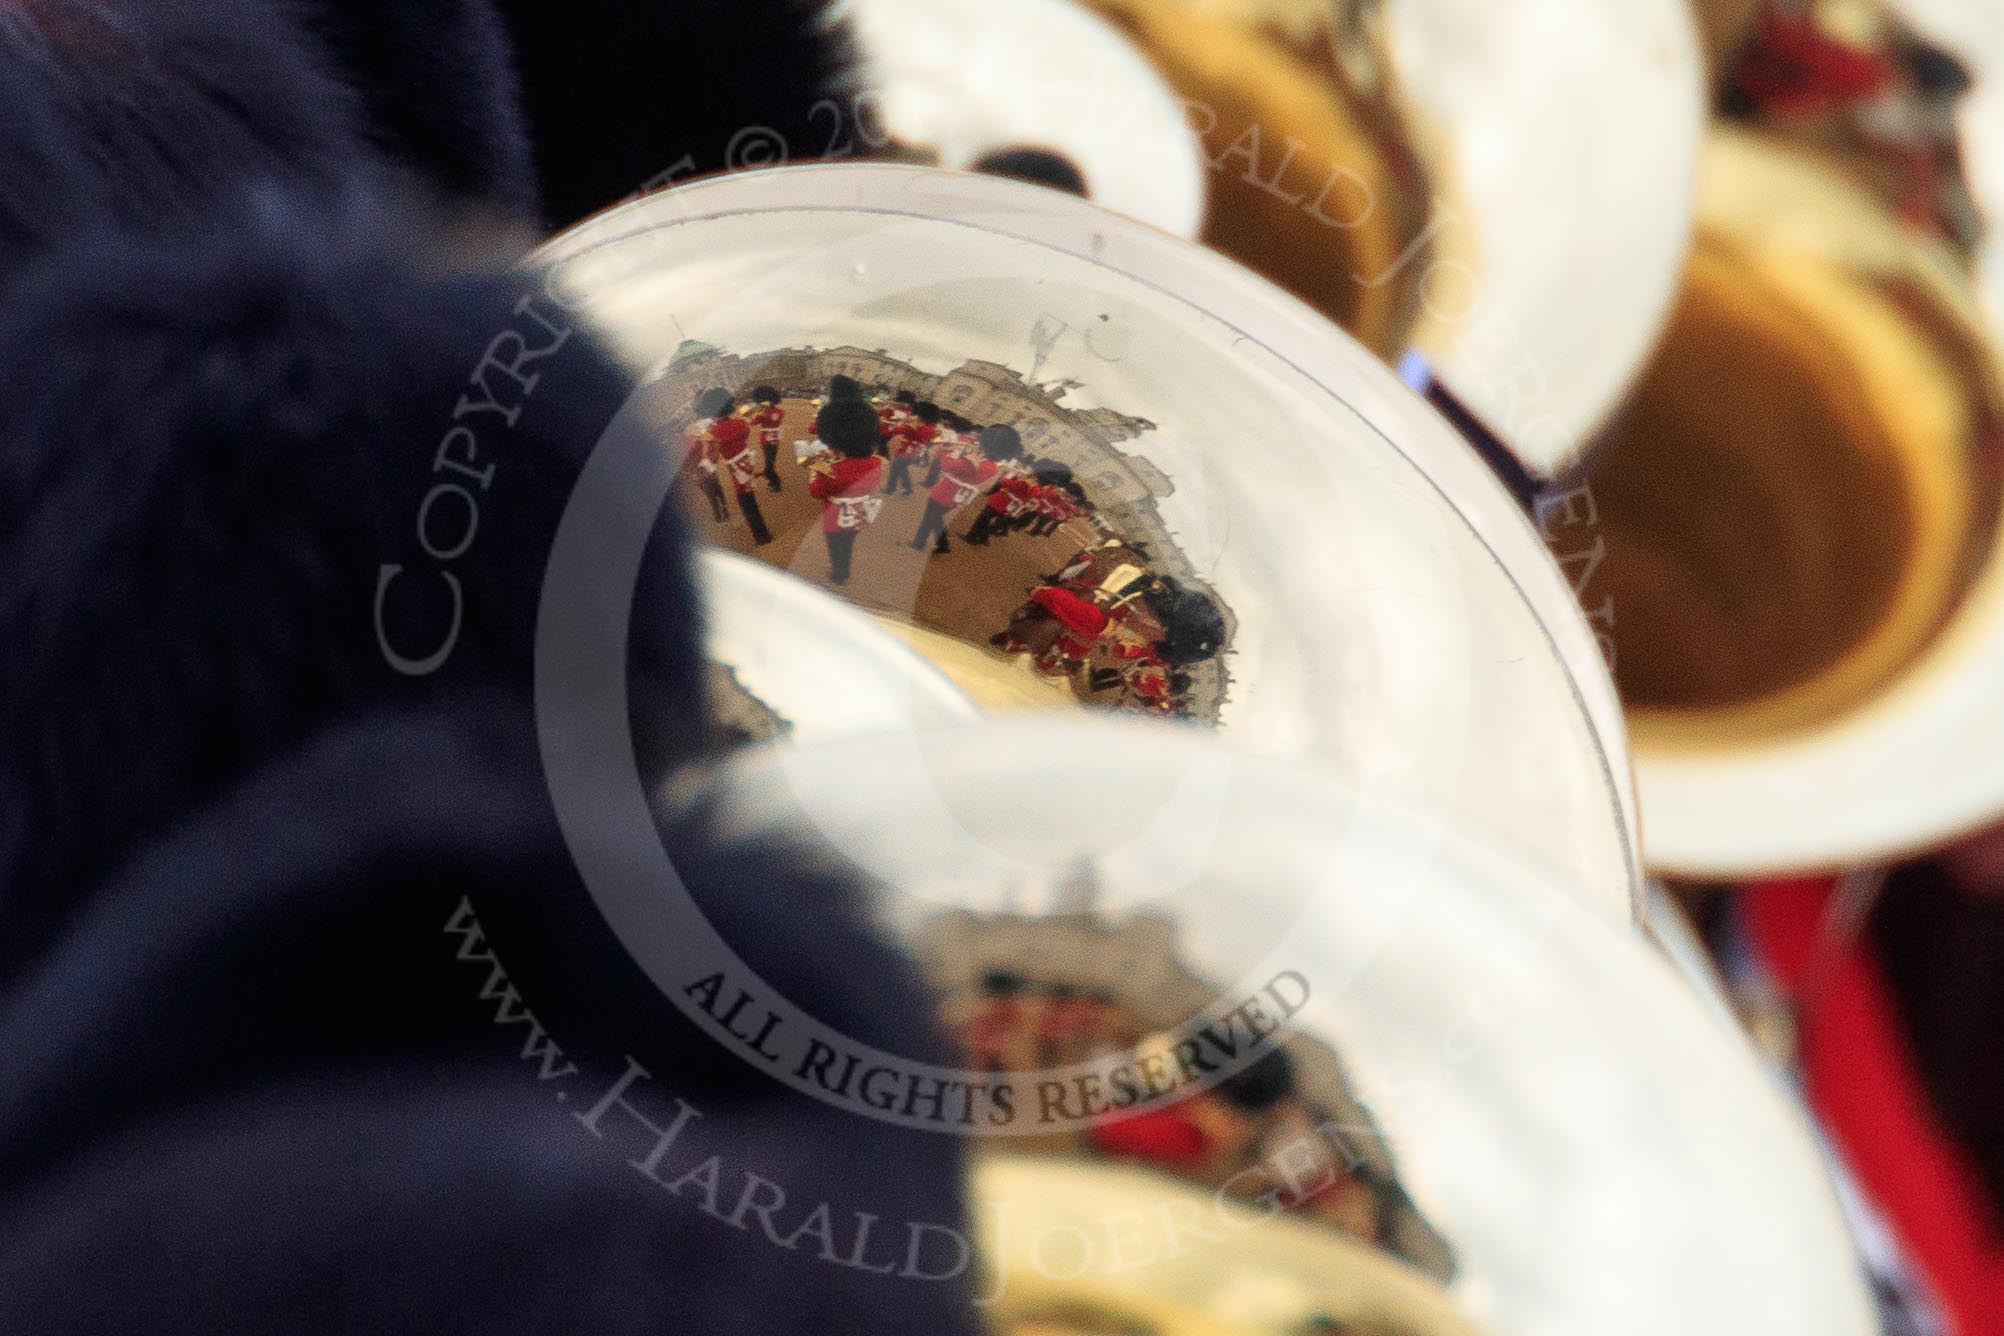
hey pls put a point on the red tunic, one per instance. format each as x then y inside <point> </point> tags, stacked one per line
<point>1055,504</point>
<point>989,1033</point>
<point>1013,497</point>
<point>1148,679</point>
<point>1068,1018</point>
<point>697,453</point>
<point>730,449</point>
<point>1162,1136</point>
<point>846,493</point>
<point>768,422</point>
<point>1078,615</point>
<point>961,479</point>
<point>1794,68</point>
<point>1128,649</point>
<point>909,439</point>
<point>1083,621</point>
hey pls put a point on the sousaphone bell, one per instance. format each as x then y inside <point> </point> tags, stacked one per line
<point>1209,506</point>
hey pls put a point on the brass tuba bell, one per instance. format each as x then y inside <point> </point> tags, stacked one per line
<point>1123,474</point>
<point>1796,529</point>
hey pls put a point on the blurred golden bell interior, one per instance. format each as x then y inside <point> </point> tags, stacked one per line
<point>1314,181</point>
<point>989,682</point>
<point>1723,25</point>
<point>1791,502</point>
<point>1056,1270</point>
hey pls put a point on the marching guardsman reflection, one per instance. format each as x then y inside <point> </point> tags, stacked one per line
<point>727,443</point>
<point>767,419</point>
<point>909,442</point>
<point>846,486</point>
<point>963,470</point>
<point>1211,1134</point>
<point>698,461</point>
<point>1055,498</point>
<point>955,433</point>
<point>810,448</point>
<point>1055,504</point>
<point>1012,502</point>
<point>1015,1026</point>
<point>1144,679</point>
<point>893,413</point>
<point>1058,627</point>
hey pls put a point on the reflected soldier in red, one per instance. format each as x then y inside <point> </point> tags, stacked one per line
<point>1008,501</point>
<point>846,488</point>
<point>727,441</point>
<point>696,459</point>
<point>767,420</point>
<point>909,441</point>
<point>963,473</point>
<point>893,413</point>
<point>956,433</point>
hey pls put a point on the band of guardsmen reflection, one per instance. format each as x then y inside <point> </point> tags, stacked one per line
<point>1054,559</point>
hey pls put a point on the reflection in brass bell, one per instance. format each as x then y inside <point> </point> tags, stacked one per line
<point>1124,474</point>
<point>1269,128</point>
<point>1283,1057</point>
<point>1799,515</point>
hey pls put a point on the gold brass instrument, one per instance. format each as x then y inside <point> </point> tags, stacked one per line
<point>1430,173</point>
<point>1811,501</point>
<point>1311,1272</point>
<point>1491,1110</point>
<point>1797,529</point>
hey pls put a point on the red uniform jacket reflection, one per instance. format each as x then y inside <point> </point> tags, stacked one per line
<point>730,449</point>
<point>961,479</point>
<point>768,421</point>
<point>845,491</point>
